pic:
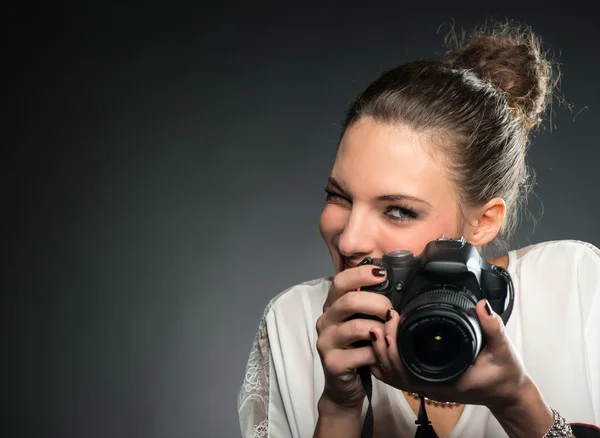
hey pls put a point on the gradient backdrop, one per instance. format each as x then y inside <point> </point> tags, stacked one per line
<point>164,175</point>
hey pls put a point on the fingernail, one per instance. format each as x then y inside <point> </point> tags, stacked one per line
<point>378,272</point>
<point>488,308</point>
<point>388,315</point>
<point>387,341</point>
<point>373,336</point>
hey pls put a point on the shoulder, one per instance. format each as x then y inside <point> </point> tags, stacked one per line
<point>289,320</point>
<point>565,272</point>
<point>303,298</point>
<point>558,250</point>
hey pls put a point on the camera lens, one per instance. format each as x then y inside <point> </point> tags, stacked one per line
<point>437,345</point>
<point>439,336</point>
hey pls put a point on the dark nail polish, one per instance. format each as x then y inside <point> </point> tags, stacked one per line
<point>373,336</point>
<point>388,315</point>
<point>378,272</point>
<point>387,342</point>
<point>488,308</point>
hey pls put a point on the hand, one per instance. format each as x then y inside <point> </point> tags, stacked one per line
<point>336,333</point>
<point>496,379</point>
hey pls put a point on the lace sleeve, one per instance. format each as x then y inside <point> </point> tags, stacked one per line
<point>253,397</point>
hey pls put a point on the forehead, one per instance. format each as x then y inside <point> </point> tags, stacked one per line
<point>375,157</point>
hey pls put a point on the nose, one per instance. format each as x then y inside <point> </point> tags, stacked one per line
<point>356,241</point>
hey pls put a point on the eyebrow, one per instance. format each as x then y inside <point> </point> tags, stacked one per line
<point>396,197</point>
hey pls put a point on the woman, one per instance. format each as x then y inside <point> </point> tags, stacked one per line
<point>434,148</point>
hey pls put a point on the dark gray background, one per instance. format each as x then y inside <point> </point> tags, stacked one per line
<point>164,167</point>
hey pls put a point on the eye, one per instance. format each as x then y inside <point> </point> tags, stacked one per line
<point>336,197</point>
<point>400,213</point>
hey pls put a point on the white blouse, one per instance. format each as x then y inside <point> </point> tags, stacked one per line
<point>555,327</point>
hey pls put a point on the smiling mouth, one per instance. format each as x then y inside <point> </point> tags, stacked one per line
<point>346,264</point>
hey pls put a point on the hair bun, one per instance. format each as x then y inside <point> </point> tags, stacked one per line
<point>510,58</point>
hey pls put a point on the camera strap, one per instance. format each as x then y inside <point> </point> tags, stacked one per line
<point>511,294</point>
<point>424,429</point>
<point>365,378</point>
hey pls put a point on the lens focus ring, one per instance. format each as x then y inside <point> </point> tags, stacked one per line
<point>441,296</point>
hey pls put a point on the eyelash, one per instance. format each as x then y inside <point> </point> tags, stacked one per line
<point>407,213</point>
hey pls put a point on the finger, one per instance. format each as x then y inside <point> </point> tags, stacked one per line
<point>341,362</point>
<point>391,333</point>
<point>396,364</point>
<point>492,327</point>
<point>353,303</point>
<point>352,331</point>
<point>352,279</point>
<point>381,351</point>
<point>409,381</point>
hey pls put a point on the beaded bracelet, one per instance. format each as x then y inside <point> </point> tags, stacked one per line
<point>560,428</point>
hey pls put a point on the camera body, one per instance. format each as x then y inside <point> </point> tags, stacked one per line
<point>439,335</point>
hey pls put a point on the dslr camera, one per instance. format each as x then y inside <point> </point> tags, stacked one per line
<point>439,335</point>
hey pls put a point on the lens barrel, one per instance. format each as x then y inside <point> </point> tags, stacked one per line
<point>439,336</point>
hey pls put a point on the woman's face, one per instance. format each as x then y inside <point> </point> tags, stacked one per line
<point>386,192</point>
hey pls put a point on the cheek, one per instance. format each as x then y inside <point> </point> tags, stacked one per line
<point>332,221</point>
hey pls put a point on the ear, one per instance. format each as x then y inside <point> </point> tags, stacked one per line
<point>485,222</point>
